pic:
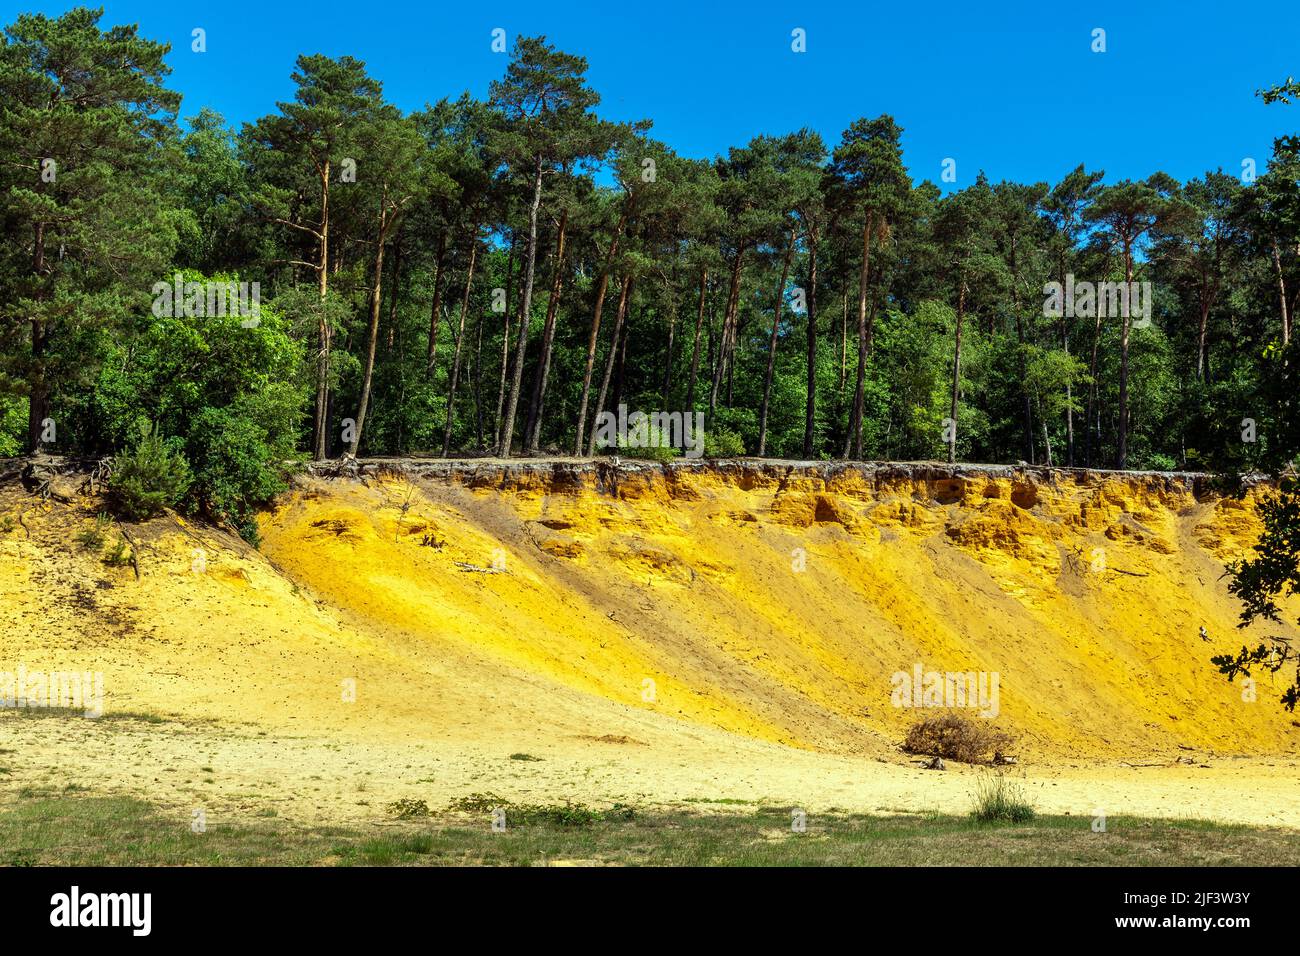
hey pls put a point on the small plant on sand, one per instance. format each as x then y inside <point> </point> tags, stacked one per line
<point>999,799</point>
<point>407,809</point>
<point>120,556</point>
<point>93,537</point>
<point>957,737</point>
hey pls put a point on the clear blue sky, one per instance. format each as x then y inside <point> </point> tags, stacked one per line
<point>1015,90</point>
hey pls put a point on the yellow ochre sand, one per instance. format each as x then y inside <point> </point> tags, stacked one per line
<point>655,637</point>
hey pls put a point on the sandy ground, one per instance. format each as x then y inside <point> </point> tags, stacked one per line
<point>477,623</point>
<point>311,780</point>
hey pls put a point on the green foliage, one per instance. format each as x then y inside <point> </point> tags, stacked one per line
<point>149,477</point>
<point>651,444</point>
<point>230,396</point>
<point>13,425</point>
<point>1263,581</point>
<point>723,443</point>
<point>464,198</point>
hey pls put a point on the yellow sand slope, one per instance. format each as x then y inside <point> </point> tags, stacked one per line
<point>655,635</point>
<point>779,605</point>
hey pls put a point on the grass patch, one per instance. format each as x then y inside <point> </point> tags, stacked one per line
<point>998,799</point>
<point>78,830</point>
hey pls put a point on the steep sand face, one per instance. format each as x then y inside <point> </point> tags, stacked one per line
<point>778,602</point>
<point>655,635</point>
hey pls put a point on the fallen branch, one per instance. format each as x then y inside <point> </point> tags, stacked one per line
<point>135,551</point>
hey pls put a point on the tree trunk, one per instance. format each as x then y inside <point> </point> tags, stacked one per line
<point>1092,437</point>
<point>460,337</point>
<point>533,428</point>
<point>390,335</point>
<point>853,442</point>
<point>478,386</point>
<point>38,394</point>
<point>1047,440</point>
<point>372,337</point>
<point>810,405</point>
<point>1281,288</point>
<point>525,316</point>
<point>594,339</point>
<point>771,347</point>
<point>1201,326</point>
<point>320,426</point>
<point>1020,338</point>
<point>505,350</point>
<point>844,341</point>
<point>436,309</point>
<point>695,350</point>
<point>1069,390</point>
<point>616,393</point>
<point>956,373</point>
<point>613,356</point>
<point>728,333</point>
<point>1121,458</point>
<point>668,349</point>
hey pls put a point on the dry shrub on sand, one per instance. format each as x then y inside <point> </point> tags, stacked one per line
<point>957,737</point>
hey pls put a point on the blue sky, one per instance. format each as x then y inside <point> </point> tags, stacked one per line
<point>1015,91</point>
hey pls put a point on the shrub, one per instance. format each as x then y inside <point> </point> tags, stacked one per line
<point>149,477</point>
<point>997,798</point>
<point>1157,461</point>
<point>723,443</point>
<point>650,445</point>
<point>956,737</point>
<point>407,809</point>
<point>230,398</point>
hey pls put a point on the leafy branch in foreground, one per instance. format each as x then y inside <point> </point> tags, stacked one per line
<point>1262,581</point>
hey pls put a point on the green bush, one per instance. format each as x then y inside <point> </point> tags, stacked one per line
<point>148,478</point>
<point>229,397</point>
<point>723,443</point>
<point>650,445</point>
<point>1157,461</point>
